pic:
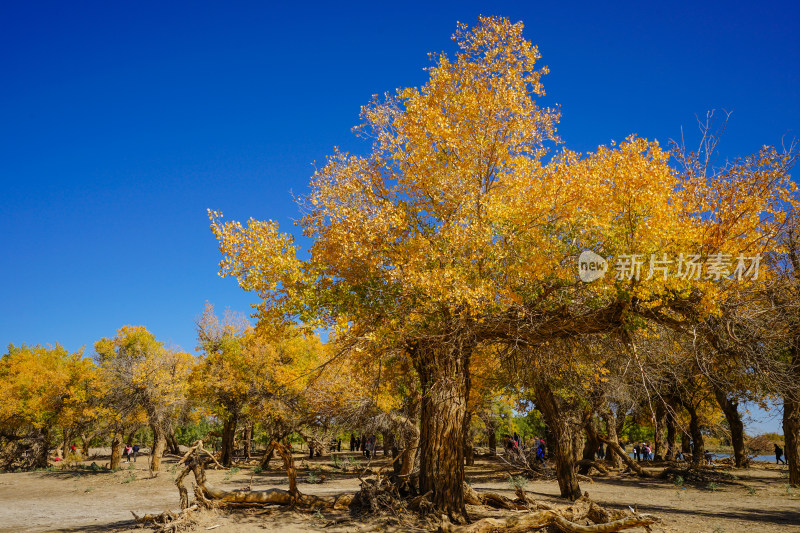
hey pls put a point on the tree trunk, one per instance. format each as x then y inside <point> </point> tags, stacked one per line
<point>174,447</point>
<point>116,450</point>
<point>288,463</point>
<point>698,446</point>
<point>41,449</point>
<point>131,436</point>
<point>731,409</point>
<point>660,444</point>
<point>267,458</point>
<point>228,440</point>
<point>469,455</point>
<point>686,448</point>
<point>443,370</point>
<point>86,442</point>
<point>618,451</point>
<point>590,446</point>
<point>159,445</point>
<point>248,440</point>
<point>66,446</point>
<point>561,444</point>
<point>409,453</point>
<point>388,441</point>
<point>671,435</point>
<point>492,431</point>
<point>791,432</point>
<point>611,429</point>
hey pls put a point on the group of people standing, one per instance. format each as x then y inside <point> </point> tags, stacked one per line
<point>514,442</point>
<point>130,451</point>
<point>364,444</point>
<point>642,452</point>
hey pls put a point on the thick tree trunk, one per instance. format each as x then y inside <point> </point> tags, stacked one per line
<point>590,446</point>
<point>492,431</point>
<point>409,453</point>
<point>672,435</point>
<point>731,410</point>
<point>172,442</point>
<point>228,441</point>
<point>159,445</point>
<point>116,450</point>
<point>560,444</point>
<point>444,375</point>
<point>791,432</point>
<point>41,449</point>
<point>611,429</point>
<point>66,445</point>
<point>698,445</point>
<point>660,444</point>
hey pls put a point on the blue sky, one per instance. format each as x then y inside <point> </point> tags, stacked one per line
<point>121,123</point>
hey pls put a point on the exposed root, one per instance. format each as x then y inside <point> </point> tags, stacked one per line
<point>696,475</point>
<point>168,521</point>
<point>597,465</point>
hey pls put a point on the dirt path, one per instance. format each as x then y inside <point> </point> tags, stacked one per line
<point>758,499</point>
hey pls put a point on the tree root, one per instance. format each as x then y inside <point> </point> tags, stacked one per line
<point>565,519</point>
<point>594,464</point>
<point>168,522</point>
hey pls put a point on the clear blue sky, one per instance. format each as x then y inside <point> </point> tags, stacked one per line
<point>122,122</point>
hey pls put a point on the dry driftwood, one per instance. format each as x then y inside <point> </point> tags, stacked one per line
<point>564,518</point>
<point>168,521</point>
<point>209,496</point>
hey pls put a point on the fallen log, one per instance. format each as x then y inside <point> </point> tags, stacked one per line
<point>209,496</point>
<point>564,518</point>
<point>613,446</point>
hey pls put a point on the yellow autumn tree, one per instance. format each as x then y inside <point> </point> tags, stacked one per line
<point>243,376</point>
<point>143,374</point>
<point>459,228</point>
<point>42,390</point>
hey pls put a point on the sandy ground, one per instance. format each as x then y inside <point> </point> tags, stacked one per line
<point>73,500</point>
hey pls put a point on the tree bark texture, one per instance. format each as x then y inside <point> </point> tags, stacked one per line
<point>672,435</point>
<point>698,445</point>
<point>228,440</point>
<point>731,410</point>
<point>561,444</point>
<point>159,445</point>
<point>611,429</point>
<point>116,450</point>
<point>443,368</point>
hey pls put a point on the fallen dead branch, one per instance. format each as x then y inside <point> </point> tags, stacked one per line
<point>564,518</point>
<point>168,521</point>
<point>208,496</point>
